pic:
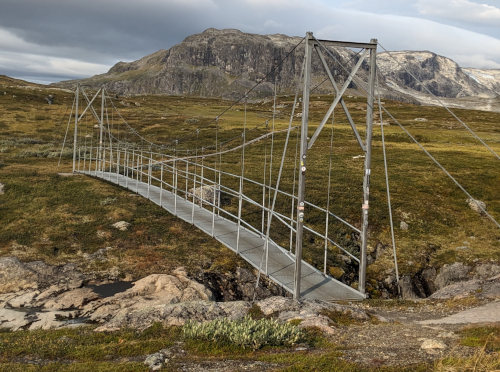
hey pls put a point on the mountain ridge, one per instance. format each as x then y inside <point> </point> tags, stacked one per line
<point>227,63</point>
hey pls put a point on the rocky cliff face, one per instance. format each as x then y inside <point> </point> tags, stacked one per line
<point>487,78</point>
<point>227,63</point>
<point>440,75</point>
<point>219,63</point>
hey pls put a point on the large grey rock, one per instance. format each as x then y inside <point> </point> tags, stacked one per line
<point>149,292</point>
<point>23,299</point>
<point>49,320</point>
<point>477,205</point>
<point>121,225</point>
<point>13,320</point>
<point>406,286</point>
<point>2,186</point>
<point>205,194</point>
<point>142,317</point>
<point>73,299</point>
<point>457,290</point>
<point>16,276</point>
<point>155,361</point>
<point>449,274</point>
<point>486,271</point>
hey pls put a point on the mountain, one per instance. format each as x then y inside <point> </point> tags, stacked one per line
<point>440,75</point>
<point>227,63</point>
<point>488,78</point>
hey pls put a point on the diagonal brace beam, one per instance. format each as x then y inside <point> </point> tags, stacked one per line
<point>337,100</point>
<point>90,106</point>
<point>342,102</point>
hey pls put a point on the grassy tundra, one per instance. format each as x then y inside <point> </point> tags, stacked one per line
<point>53,218</point>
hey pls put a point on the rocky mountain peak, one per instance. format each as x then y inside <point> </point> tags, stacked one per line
<point>228,62</point>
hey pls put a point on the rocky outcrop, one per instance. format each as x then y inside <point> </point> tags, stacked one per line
<point>239,285</point>
<point>16,275</point>
<point>151,292</point>
<point>309,313</point>
<point>489,78</point>
<point>455,280</point>
<point>439,75</point>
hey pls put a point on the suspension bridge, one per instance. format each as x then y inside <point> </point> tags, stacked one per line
<point>269,222</point>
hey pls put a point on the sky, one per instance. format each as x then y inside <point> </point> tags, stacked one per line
<point>52,40</point>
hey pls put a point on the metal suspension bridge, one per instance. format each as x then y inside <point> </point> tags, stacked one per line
<point>269,221</point>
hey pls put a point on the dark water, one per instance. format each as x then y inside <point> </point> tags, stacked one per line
<point>110,289</point>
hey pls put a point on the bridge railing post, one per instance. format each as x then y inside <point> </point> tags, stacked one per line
<point>140,169</point>
<point>161,184</point>
<point>137,172</point>
<point>240,200</point>
<point>103,161</point>
<point>175,187</point>
<point>194,193</point>
<point>78,166</point>
<point>149,174</point>
<point>90,157</point>
<point>201,179</point>
<point>126,170</point>
<point>84,155</point>
<point>117,164</point>
<point>186,179</point>
<point>326,241</point>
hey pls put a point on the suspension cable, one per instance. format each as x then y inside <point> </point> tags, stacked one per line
<point>388,191</point>
<point>362,85</point>
<point>67,128</point>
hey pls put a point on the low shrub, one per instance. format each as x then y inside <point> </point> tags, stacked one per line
<point>245,332</point>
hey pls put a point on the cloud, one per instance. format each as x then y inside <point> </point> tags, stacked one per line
<point>411,33</point>
<point>99,33</point>
<point>460,10</point>
<point>17,64</point>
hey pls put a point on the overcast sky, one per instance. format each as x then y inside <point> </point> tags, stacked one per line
<point>52,40</point>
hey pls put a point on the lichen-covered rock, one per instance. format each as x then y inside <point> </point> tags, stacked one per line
<point>72,299</point>
<point>476,205</point>
<point>150,292</point>
<point>121,225</point>
<point>16,276</point>
<point>449,274</point>
<point>142,317</point>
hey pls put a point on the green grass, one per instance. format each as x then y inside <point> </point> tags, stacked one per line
<point>54,218</point>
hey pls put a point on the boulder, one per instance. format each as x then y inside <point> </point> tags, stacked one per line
<point>144,316</point>
<point>406,287</point>
<point>207,194</point>
<point>16,276</point>
<point>13,320</point>
<point>149,292</point>
<point>457,290</point>
<point>72,299</point>
<point>486,271</point>
<point>121,225</point>
<point>156,360</point>
<point>429,344</point>
<point>49,320</point>
<point>449,274</point>
<point>476,205</point>
<point>2,186</point>
<point>25,299</point>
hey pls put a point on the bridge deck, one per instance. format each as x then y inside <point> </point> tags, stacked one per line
<point>281,265</point>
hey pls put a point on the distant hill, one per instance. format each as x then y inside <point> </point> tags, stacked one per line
<point>226,63</point>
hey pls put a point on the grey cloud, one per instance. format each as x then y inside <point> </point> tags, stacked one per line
<point>104,31</point>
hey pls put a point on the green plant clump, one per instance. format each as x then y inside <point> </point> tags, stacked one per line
<point>245,332</point>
